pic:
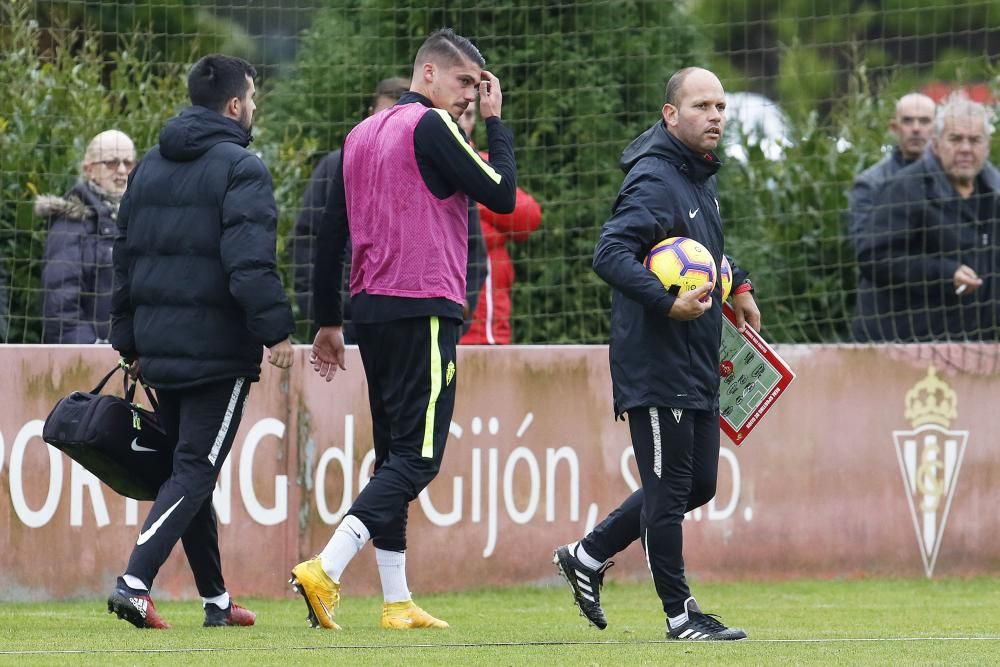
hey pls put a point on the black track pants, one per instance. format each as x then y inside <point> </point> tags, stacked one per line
<point>410,368</point>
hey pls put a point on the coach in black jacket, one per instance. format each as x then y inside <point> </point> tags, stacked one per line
<point>196,298</point>
<point>664,352</point>
<point>934,233</point>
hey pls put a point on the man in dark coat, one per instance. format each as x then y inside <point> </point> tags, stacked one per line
<point>664,353</point>
<point>912,127</point>
<point>934,232</point>
<point>196,298</point>
<point>77,272</point>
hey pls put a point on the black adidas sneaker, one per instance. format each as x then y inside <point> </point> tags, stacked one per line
<point>134,606</point>
<point>703,627</point>
<point>584,582</point>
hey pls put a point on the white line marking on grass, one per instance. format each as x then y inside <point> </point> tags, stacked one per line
<point>832,640</point>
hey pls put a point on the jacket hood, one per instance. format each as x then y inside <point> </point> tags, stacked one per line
<point>191,133</point>
<point>80,203</point>
<point>48,206</point>
<point>657,142</point>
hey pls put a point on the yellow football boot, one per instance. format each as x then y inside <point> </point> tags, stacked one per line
<point>406,615</point>
<point>321,593</point>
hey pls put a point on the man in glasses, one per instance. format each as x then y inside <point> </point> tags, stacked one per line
<point>77,272</point>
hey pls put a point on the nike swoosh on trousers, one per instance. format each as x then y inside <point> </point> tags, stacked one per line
<point>145,536</point>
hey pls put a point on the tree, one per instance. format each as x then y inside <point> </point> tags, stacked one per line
<point>804,54</point>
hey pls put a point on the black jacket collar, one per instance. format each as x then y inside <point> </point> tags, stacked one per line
<point>657,141</point>
<point>191,133</point>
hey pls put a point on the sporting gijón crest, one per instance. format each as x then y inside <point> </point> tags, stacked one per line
<point>930,458</point>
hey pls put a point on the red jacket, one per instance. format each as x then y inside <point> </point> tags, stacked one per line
<point>491,321</point>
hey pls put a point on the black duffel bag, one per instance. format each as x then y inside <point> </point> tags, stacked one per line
<point>120,442</point>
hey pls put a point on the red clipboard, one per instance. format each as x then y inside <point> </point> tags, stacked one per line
<point>754,378</point>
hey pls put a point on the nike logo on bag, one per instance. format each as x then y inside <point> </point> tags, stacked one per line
<point>693,213</point>
<point>145,536</point>
<point>136,447</point>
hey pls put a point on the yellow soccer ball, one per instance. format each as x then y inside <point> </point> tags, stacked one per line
<point>726,276</point>
<point>682,264</point>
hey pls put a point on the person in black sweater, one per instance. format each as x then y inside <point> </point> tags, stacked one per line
<point>402,195</point>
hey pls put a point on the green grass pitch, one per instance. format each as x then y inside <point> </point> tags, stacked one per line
<point>853,622</point>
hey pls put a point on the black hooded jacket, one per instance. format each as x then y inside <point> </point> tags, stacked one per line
<point>669,190</point>
<point>197,294</point>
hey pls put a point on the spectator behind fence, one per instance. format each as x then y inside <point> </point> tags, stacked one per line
<point>934,229</point>
<point>196,299</point>
<point>491,318</point>
<point>303,242</point>
<point>77,272</point>
<point>911,125</point>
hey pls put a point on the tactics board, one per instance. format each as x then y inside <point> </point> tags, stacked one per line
<point>756,378</point>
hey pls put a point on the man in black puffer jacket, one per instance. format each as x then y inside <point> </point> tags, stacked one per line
<point>76,275</point>
<point>196,298</point>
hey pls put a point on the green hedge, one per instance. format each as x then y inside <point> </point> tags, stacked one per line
<point>580,81</point>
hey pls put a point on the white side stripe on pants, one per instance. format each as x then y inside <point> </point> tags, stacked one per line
<point>224,429</point>
<point>654,422</point>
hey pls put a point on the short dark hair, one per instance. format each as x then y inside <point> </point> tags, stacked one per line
<point>393,88</point>
<point>674,85</point>
<point>216,79</point>
<point>445,46</point>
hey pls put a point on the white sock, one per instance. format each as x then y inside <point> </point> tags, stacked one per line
<point>586,558</point>
<point>220,601</point>
<point>392,572</point>
<point>682,618</point>
<point>677,621</point>
<point>134,582</point>
<point>345,544</point>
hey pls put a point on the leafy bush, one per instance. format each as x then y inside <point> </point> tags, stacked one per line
<point>786,219</point>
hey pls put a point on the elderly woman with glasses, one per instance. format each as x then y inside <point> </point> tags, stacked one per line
<point>77,271</point>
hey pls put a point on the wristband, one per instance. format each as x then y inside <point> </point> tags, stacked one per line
<point>745,286</point>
